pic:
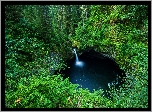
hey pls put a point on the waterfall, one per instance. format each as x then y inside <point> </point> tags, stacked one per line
<point>78,63</point>
<point>77,60</point>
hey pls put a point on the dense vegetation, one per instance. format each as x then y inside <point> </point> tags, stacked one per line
<point>38,41</point>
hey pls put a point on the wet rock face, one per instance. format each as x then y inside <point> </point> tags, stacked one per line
<point>99,71</point>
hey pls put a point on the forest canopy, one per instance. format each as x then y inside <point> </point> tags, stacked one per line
<point>39,39</point>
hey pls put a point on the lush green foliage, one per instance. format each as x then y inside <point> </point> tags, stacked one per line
<point>52,92</point>
<point>38,39</point>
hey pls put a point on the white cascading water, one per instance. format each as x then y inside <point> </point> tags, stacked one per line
<point>77,60</point>
<point>78,63</point>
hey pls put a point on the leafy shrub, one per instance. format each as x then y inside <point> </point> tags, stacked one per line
<point>37,32</point>
<point>52,92</point>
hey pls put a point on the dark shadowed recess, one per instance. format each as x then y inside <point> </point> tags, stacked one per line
<point>99,71</point>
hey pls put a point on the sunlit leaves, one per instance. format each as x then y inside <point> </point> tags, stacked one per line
<point>33,31</point>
